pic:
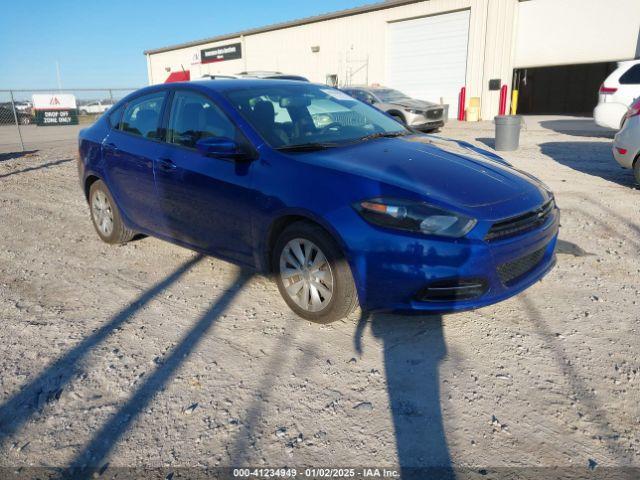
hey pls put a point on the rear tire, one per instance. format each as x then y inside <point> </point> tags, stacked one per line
<point>636,170</point>
<point>320,288</point>
<point>106,216</point>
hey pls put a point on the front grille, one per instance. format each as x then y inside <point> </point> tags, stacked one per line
<point>512,271</point>
<point>434,114</point>
<point>522,223</point>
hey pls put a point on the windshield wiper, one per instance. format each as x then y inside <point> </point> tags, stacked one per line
<point>304,147</point>
<point>371,136</point>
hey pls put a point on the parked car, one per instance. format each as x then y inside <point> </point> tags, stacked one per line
<point>343,214</point>
<point>255,74</point>
<point>7,117</point>
<point>626,144</point>
<point>266,74</point>
<point>23,107</point>
<point>94,108</point>
<point>617,93</point>
<point>212,76</point>
<point>418,114</point>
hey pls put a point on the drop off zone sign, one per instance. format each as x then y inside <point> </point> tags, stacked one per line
<point>55,109</point>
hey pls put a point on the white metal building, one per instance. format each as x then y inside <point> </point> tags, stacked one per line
<point>430,49</point>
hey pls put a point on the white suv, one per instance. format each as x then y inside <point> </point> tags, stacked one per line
<point>617,93</point>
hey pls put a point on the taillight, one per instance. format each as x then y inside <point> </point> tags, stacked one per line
<point>634,109</point>
<point>621,151</point>
<point>607,90</point>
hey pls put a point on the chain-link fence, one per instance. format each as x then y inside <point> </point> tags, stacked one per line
<point>33,119</point>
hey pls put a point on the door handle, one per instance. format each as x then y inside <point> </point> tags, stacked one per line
<point>166,164</point>
<point>111,146</point>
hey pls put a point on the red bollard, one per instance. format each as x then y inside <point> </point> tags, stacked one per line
<point>461,103</point>
<point>503,100</point>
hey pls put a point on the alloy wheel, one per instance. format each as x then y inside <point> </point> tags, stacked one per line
<point>102,213</point>
<point>306,275</point>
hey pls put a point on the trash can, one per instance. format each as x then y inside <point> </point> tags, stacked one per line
<point>507,132</point>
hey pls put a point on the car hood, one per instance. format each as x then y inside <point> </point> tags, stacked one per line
<point>447,173</point>
<point>414,103</point>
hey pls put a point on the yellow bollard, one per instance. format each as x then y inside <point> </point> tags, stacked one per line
<point>514,102</point>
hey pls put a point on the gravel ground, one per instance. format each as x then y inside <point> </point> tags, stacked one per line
<point>150,355</point>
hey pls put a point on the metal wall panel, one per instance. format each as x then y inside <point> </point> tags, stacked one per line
<point>427,57</point>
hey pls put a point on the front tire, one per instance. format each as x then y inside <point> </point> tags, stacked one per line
<point>312,274</point>
<point>105,215</point>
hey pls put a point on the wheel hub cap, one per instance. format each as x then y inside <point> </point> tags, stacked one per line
<point>306,275</point>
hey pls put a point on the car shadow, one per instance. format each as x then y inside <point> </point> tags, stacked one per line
<point>578,127</point>
<point>48,385</point>
<point>413,348</point>
<point>592,158</point>
<point>89,461</point>
<point>488,141</point>
<point>12,155</point>
<point>38,167</point>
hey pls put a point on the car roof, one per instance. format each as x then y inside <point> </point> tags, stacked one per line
<point>224,84</point>
<point>219,85</point>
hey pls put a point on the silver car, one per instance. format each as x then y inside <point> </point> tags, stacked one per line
<point>418,114</point>
<point>626,145</point>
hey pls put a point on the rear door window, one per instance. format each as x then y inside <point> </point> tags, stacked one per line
<point>631,76</point>
<point>142,115</point>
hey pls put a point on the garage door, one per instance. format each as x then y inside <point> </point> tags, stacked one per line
<point>427,57</point>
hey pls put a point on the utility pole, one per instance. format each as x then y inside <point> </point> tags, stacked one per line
<point>58,76</point>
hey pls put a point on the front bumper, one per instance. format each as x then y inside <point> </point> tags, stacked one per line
<point>391,270</point>
<point>428,120</point>
<point>428,125</point>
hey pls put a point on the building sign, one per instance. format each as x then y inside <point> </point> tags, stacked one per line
<point>55,109</point>
<point>221,53</point>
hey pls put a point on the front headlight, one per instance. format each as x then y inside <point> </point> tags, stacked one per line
<point>414,217</point>
<point>415,112</point>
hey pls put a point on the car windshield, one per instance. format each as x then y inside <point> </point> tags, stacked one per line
<point>388,95</point>
<point>294,115</point>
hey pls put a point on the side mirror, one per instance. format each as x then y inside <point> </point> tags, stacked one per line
<point>221,147</point>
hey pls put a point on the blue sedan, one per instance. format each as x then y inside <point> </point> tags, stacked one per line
<point>342,204</point>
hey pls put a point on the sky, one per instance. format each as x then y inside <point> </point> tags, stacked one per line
<point>99,44</point>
